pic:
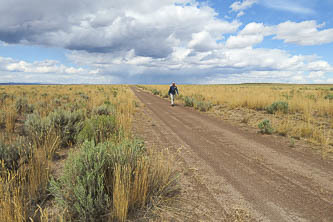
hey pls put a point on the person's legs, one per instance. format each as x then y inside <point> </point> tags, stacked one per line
<point>172,98</point>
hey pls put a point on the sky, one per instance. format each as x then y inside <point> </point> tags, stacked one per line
<point>157,42</point>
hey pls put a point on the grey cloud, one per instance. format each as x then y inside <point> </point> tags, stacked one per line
<point>107,26</point>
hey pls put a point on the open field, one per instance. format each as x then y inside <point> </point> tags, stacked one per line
<point>295,111</point>
<point>67,154</point>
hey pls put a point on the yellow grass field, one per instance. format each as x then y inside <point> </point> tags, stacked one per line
<point>307,115</point>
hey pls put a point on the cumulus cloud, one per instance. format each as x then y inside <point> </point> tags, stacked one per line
<point>47,71</point>
<point>243,41</point>
<point>47,66</point>
<point>252,34</point>
<point>303,33</point>
<point>150,28</point>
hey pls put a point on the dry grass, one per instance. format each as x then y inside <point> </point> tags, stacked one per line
<point>309,116</point>
<point>20,190</point>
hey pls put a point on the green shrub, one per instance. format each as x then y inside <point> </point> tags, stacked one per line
<point>98,129</point>
<point>81,190</point>
<point>203,106</point>
<point>12,155</point>
<point>57,102</point>
<point>104,110</point>
<point>65,98</point>
<point>2,119</point>
<point>107,102</point>
<point>99,179</point>
<point>86,186</point>
<point>3,97</point>
<point>198,102</point>
<point>22,106</point>
<point>9,156</point>
<point>265,127</point>
<point>188,101</point>
<point>115,93</point>
<point>279,106</point>
<point>37,128</point>
<point>156,92</point>
<point>83,95</point>
<point>73,107</point>
<point>329,97</point>
<point>67,124</point>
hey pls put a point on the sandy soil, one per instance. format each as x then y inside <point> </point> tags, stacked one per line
<point>235,174</point>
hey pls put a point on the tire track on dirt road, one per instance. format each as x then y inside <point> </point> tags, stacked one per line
<point>258,173</point>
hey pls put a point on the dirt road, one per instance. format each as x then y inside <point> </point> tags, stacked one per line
<point>238,169</point>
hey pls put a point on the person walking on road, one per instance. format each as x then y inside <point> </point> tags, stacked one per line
<point>172,92</point>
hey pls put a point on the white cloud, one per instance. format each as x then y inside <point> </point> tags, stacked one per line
<point>254,28</point>
<point>316,74</point>
<point>243,41</point>
<point>202,41</point>
<point>47,71</point>
<point>303,33</point>
<point>46,66</point>
<point>242,5</point>
<point>319,65</point>
<point>253,33</point>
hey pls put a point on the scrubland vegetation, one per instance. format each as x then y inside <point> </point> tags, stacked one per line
<point>296,111</point>
<point>108,175</point>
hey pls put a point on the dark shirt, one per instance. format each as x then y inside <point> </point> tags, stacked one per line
<point>173,90</point>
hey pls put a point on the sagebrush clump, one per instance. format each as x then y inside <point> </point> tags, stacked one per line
<point>156,92</point>
<point>198,102</point>
<point>14,154</point>
<point>22,106</point>
<point>98,129</point>
<point>189,101</point>
<point>105,109</point>
<point>110,180</point>
<point>329,97</point>
<point>266,127</point>
<point>279,106</point>
<point>67,124</point>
